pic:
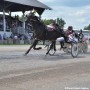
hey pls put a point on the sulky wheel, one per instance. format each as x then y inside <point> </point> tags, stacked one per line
<point>74,49</point>
<point>85,47</point>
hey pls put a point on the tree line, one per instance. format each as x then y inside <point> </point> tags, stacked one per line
<point>87,27</point>
<point>61,23</point>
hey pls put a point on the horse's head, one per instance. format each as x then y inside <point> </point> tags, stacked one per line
<point>36,22</point>
<point>32,19</point>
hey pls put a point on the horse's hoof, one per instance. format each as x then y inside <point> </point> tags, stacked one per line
<point>60,48</point>
<point>47,53</point>
<point>37,48</point>
<point>40,48</point>
<point>25,54</point>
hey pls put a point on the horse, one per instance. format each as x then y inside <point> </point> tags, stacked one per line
<point>41,33</point>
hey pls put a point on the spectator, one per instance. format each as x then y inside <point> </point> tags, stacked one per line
<point>0,37</point>
<point>11,36</point>
<point>4,36</point>
<point>16,37</point>
<point>81,36</point>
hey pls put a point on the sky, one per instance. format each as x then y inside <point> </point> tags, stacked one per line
<point>75,13</point>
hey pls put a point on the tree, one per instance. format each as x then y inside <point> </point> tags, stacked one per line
<point>61,22</point>
<point>47,22</point>
<point>87,27</point>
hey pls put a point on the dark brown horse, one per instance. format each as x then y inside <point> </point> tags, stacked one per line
<point>41,33</point>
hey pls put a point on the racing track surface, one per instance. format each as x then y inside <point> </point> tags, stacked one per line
<point>39,72</point>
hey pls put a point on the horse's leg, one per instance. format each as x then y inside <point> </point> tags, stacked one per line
<point>62,44</point>
<point>43,42</point>
<point>54,45</point>
<point>51,46</point>
<point>33,45</point>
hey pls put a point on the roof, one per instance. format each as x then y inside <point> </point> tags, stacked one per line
<point>34,3</point>
<point>23,5</point>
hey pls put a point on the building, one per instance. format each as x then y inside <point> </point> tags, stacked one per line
<point>16,6</point>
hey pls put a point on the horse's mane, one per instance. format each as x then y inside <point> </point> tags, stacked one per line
<point>36,20</point>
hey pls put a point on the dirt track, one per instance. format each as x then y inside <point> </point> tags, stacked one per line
<point>38,72</point>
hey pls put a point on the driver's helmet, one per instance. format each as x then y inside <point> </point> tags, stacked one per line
<point>81,31</point>
<point>70,28</point>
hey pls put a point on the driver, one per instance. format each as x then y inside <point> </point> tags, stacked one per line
<point>70,33</point>
<point>81,36</point>
<point>69,30</point>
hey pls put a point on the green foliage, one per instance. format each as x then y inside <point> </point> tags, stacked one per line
<point>59,21</point>
<point>87,27</point>
<point>47,22</point>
